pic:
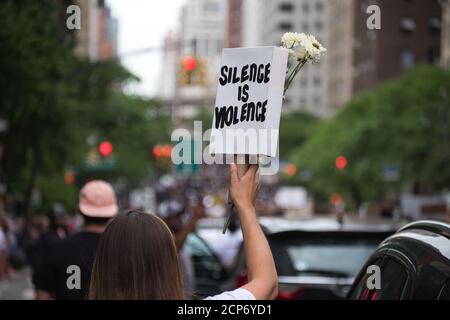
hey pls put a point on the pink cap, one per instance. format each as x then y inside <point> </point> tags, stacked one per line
<point>98,200</point>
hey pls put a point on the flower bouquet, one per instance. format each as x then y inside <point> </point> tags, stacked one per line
<point>302,48</point>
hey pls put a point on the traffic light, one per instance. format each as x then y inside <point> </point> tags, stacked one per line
<point>92,157</point>
<point>69,177</point>
<point>192,71</point>
<point>105,148</point>
<point>290,170</point>
<point>162,151</point>
<point>341,162</point>
<point>189,64</point>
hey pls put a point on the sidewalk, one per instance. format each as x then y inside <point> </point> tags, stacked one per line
<point>18,287</point>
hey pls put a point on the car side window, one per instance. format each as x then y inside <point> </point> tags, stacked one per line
<point>361,291</point>
<point>206,266</point>
<point>394,277</point>
<point>445,291</point>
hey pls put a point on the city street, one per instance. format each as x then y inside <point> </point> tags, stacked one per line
<point>18,287</point>
<point>224,150</point>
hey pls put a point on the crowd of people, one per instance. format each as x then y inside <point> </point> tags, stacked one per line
<point>106,253</point>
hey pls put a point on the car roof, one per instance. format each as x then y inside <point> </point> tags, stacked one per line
<point>435,226</point>
<point>433,235</point>
<point>327,224</point>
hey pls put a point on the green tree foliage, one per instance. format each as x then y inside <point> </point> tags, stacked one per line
<point>403,123</point>
<point>52,101</point>
<point>295,128</point>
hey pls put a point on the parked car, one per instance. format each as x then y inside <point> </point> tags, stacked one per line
<point>316,258</point>
<point>208,269</point>
<point>414,263</point>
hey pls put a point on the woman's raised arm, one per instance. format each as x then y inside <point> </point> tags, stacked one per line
<point>262,275</point>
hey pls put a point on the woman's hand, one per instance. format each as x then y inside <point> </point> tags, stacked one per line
<point>244,190</point>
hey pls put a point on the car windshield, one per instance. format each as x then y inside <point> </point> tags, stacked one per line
<point>322,257</point>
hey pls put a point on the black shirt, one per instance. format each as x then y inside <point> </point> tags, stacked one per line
<point>77,250</point>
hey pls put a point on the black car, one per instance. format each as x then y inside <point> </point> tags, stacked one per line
<point>316,258</point>
<point>414,263</point>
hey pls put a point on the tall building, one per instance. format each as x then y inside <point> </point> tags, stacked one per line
<point>107,34</point>
<point>358,58</point>
<point>97,38</point>
<point>169,73</point>
<point>410,34</point>
<point>445,43</point>
<point>86,43</point>
<point>233,37</point>
<point>339,74</point>
<point>264,23</point>
<point>193,55</point>
<point>202,31</point>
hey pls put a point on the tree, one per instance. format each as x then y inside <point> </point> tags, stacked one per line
<point>295,128</point>
<point>52,101</point>
<point>402,123</point>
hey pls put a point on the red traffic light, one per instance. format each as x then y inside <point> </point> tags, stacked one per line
<point>341,162</point>
<point>162,151</point>
<point>290,170</point>
<point>105,148</point>
<point>189,63</point>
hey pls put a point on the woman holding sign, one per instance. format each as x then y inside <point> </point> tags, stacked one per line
<point>137,257</point>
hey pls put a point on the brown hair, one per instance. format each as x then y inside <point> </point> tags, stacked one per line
<point>136,259</point>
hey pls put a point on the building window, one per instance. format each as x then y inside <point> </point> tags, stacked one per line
<point>317,81</point>
<point>407,25</point>
<point>319,6</point>
<point>433,55</point>
<point>316,101</point>
<point>305,27</point>
<point>285,26</point>
<point>435,26</point>
<point>318,25</point>
<point>407,59</point>
<point>286,7</point>
<point>305,7</point>
<point>211,6</point>
<point>304,82</point>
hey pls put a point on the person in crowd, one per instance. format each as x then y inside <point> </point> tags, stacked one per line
<point>137,256</point>
<point>66,273</point>
<point>173,213</point>
<point>55,232</point>
<point>4,246</point>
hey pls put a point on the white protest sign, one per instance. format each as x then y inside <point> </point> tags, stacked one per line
<point>248,102</point>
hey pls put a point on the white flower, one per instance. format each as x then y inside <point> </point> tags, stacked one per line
<point>314,48</point>
<point>300,52</point>
<point>302,48</point>
<point>291,39</point>
<point>291,53</point>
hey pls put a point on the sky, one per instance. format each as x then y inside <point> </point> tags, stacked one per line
<point>143,24</point>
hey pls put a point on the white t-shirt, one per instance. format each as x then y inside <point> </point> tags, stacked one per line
<point>238,294</point>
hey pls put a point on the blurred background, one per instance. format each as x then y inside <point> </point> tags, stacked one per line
<point>365,134</point>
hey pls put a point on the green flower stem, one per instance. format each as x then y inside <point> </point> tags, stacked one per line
<point>293,73</point>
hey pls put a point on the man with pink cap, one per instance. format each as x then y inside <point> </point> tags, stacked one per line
<point>66,272</point>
